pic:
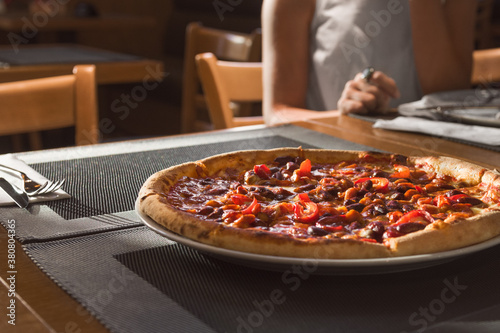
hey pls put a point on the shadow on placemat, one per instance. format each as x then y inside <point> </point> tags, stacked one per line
<point>230,297</point>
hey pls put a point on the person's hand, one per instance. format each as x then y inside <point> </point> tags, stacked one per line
<point>364,95</point>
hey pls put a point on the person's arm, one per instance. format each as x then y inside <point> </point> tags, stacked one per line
<point>285,27</point>
<point>443,41</point>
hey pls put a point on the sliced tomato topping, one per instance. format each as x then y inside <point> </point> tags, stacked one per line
<point>305,210</point>
<point>305,168</point>
<point>253,208</point>
<point>262,171</point>
<point>402,171</point>
<point>380,184</point>
<point>240,199</point>
<point>417,216</point>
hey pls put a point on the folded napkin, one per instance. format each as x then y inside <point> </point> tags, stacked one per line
<point>474,106</point>
<point>467,100</point>
<point>472,133</point>
<point>13,162</point>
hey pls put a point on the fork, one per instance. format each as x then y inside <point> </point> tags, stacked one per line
<point>32,187</point>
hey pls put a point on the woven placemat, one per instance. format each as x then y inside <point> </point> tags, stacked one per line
<point>136,281</point>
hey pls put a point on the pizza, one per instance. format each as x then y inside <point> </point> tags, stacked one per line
<point>326,204</point>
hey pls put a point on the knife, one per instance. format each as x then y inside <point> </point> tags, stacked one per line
<point>18,195</point>
<point>440,108</point>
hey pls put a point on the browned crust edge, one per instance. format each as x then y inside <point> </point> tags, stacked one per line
<point>458,234</point>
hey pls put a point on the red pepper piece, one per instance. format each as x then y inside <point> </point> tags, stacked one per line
<point>305,210</point>
<point>305,168</point>
<point>415,216</point>
<point>370,240</point>
<point>303,197</point>
<point>253,208</point>
<point>380,184</point>
<point>240,199</point>
<point>457,197</point>
<point>419,189</point>
<point>332,228</point>
<point>402,171</point>
<point>441,200</point>
<point>262,171</point>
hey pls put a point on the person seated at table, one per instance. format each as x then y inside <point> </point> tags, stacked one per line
<point>314,52</point>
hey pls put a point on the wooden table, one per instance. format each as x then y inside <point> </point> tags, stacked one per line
<point>361,131</point>
<point>44,307</point>
<point>107,72</point>
<point>17,21</point>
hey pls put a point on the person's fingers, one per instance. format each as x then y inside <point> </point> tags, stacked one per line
<point>355,100</point>
<point>381,80</point>
<point>381,98</point>
<point>385,83</point>
<point>370,95</point>
<point>346,106</point>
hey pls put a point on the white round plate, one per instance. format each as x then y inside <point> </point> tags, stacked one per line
<point>320,266</point>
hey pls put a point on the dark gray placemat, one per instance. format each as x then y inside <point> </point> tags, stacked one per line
<point>60,55</point>
<point>136,281</point>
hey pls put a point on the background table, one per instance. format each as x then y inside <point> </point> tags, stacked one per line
<point>16,21</point>
<point>361,131</point>
<point>176,279</point>
<point>43,60</point>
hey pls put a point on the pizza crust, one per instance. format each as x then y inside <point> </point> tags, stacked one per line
<point>470,174</point>
<point>448,236</point>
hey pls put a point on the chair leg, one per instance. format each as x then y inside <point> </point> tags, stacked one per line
<point>35,140</point>
<point>17,142</point>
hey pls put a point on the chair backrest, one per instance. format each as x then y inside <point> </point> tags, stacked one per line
<point>486,69</point>
<point>228,81</point>
<point>226,45</point>
<point>50,103</point>
<point>484,16</point>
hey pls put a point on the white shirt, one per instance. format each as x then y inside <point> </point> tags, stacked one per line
<point>349,35</point>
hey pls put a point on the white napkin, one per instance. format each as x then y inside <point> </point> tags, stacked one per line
<point>472,133</point>
<point>467,99</point>
<point>13,162</point>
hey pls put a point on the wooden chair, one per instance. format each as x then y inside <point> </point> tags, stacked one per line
<point>31,106</point>
<point>486,67</point>
<point>226,45</point>
<point>227,81</point>
<point>483,29</point>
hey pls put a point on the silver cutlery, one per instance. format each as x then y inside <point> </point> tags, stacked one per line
<point>440,108</point>
<point>33,188</point>
<point>19,196</point>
